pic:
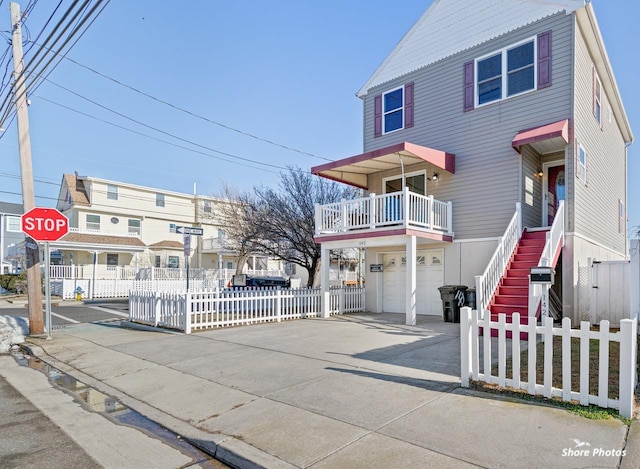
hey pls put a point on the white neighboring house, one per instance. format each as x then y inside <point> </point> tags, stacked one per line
<point>11,237</point>
<point>117,226</point>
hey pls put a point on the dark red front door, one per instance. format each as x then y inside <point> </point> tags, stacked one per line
<point>556,190</point>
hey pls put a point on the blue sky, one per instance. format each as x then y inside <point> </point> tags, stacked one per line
<point>286,71</point>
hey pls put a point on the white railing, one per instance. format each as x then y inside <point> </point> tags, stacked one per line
<point>470,323</point>
<point>87,271</point>
<point>120,288</point>
<point>553,245</point>
<point>487,283</point>
<point>403,208</point>
<point>104,232</point>
<point>222,308</point>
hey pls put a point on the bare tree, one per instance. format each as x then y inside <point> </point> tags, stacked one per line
<point>281,222</point>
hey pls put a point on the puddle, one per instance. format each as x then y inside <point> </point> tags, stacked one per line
<point>108,406</point>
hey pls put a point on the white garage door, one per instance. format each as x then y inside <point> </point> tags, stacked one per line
<point>429,276</point>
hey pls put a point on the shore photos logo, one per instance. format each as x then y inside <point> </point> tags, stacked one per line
<point>585,450</point>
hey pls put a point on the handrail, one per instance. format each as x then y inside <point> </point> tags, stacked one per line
<point>404,208</point>
<point>487,283</point>
<point>553,245</point>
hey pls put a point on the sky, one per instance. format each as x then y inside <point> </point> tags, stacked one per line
<point>247,71</point>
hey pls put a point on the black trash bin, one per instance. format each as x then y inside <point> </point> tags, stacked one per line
<point>453,299</point>
<point>470,298</point>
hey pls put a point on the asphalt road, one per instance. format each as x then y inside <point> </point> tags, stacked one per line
<point>66,315</point>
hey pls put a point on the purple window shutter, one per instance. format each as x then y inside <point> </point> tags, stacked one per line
<point>469,97</point>
<point>544,60</point>
<point>377,115</point>
<point>408,105</point>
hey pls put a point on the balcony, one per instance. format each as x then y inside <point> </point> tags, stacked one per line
<point>386,214</point>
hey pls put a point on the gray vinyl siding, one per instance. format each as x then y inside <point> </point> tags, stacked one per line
<point>531,196</point>
<point>596,202</point>
<point>487,180</point>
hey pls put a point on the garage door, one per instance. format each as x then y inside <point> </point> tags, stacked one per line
<point>429,276</point>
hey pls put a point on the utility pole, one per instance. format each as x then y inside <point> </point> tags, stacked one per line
<point>34,282</point>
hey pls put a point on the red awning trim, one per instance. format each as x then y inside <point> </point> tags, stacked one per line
<point>544,132</point>
<point>355,169</point>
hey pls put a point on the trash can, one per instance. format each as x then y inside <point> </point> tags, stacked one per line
<point>470,298</point>
<point>453,299</point>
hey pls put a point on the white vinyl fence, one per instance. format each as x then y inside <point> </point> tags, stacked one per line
<point>471,341</point>
<point>120,288</point>
<point>221,308</point>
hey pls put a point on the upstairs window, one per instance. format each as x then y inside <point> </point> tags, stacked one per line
<point>112,192</point>
<point>393,110</point>
<point>159,200</point>
<point>134,226</point>
<point>511,71</point>
<point>13,225</point>
<point>93,222</point>
<point>393,107</point>
<point>597,98</point>
<point>207,206</point>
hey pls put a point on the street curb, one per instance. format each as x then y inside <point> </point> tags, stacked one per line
<point>224,448</point>
<point>631,459</point>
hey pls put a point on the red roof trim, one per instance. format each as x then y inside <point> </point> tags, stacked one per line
<point>380,233</point>
<point>544,132</point>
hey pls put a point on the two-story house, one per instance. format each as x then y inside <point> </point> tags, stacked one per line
<point>11,237</point>
<point>488,122</point>
<point>116,224</point>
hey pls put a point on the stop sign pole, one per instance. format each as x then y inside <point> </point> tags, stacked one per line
<point>45,224</point>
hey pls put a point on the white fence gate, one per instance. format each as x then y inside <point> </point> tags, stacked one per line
<point>470,340</point>
<point>610,298</point>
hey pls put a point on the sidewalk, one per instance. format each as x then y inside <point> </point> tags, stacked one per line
<point>351,391</point>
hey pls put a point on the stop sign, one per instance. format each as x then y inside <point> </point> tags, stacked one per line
<point>44,224</point>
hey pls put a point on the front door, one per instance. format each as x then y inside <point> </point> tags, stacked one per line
<point>556,190</point>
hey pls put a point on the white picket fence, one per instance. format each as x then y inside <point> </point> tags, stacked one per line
<point>222,308</point>
<point>470,325</point>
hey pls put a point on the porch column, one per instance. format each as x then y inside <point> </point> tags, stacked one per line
<point>410,296</point>
<point>93,277</point>
<point>324,281</point>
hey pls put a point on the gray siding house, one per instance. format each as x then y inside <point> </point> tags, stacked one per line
<point>479,128</point>
<point>11,237</point>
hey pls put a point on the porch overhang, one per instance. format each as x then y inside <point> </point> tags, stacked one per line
<point>381,237</point>
<point>356,169</point>
<point>548,138</point>
<point>99,243</point>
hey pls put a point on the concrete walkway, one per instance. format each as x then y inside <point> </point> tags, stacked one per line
<point>347,392</point>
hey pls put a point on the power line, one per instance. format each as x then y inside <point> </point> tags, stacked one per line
<point>193,114</point>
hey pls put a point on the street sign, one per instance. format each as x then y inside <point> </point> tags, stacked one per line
<point>190,230</point>
<point>44,224</point>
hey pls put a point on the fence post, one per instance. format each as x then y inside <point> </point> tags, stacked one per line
<point>187,313</point>
<point>155,300</point>
<point>465,346</point>
<point>341,298</point>
<point>278,305</point>
<point>628,347</point>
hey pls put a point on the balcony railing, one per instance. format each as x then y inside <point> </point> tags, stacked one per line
<point>398,209</point>
<point>135,234</point>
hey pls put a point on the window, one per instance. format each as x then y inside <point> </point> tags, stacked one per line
<point>93,222</point>
<point>207,206</point>
<point>597,98</point>
<point>173,262</point>
<point>230,265</point>
<point>415,182</point>
<point>581,163</point>
<point>159,200</point>
<point>134,226</point>
<point>622,217</point>
<point>112,259</point>
<point>13,224</point>
<point>508,72</point>
<point>222,234</point>
<point>112,192</point>
<point>156,262</point>
<point>393,110</point>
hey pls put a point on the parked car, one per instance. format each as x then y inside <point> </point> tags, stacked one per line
<point>247,281</point>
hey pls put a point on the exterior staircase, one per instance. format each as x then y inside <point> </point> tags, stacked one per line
<point>512,294</point>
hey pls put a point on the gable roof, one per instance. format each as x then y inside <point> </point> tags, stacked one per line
<point>77,191</point>
<point>432,37</point>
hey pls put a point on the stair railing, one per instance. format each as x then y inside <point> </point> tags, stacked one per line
<point>487,283</point>
<point>548,258</point>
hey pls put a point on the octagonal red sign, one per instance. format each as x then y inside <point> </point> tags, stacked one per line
<point>44,224</point>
